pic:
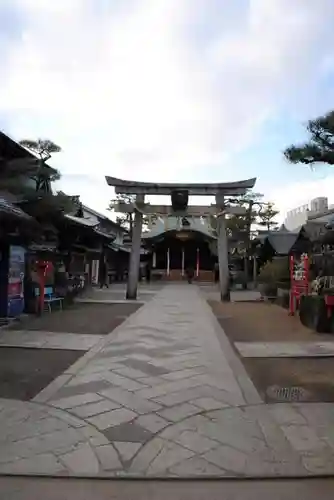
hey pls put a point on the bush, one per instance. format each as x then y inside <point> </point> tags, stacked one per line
<point>313,313</point>
<point>275,272</point>
<point>268,289</point>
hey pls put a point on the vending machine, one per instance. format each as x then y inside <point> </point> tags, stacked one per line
<point>15,287</point>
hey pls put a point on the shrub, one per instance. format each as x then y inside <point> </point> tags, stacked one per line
<point>275,272</point>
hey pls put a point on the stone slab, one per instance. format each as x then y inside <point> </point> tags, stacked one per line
<point>108,457</point>
<point>127,450</point>
<point>112,418</point>
<point>285,349</point>
<point>48,340</point>
<point>81,461</point>
<point>91,409</point>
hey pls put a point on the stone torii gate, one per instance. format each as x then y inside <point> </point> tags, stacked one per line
<point>179,196</point>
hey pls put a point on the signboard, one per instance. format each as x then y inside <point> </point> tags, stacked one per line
<point>299,277</point>
<point>16,269</point>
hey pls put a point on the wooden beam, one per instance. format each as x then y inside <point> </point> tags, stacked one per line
<point>210,189</point>
<point>192,211</point>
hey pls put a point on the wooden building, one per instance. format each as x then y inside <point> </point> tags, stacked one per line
<point>180,243</point>
<point>35,226</point>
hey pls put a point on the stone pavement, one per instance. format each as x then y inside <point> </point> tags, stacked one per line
<point>161,397</point>
<point>116,294</point>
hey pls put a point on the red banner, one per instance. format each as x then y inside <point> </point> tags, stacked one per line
<point>299,277</point>
<point>44,266</point>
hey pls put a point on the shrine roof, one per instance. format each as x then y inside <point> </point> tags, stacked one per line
<point>82,221</point>
<point>134,187</point>
<point>161,226</point>
<point>282,240</point>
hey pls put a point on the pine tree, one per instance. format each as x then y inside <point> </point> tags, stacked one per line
<point>126,220</point>
<point>266,216</point>
<point>320,146</point>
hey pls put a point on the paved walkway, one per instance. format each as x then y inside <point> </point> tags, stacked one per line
<point>160,397</point>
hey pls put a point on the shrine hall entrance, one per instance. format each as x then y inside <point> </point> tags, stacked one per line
<point>177,252</point>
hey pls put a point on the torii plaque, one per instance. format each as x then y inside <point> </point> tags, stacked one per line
<point>179,195</point>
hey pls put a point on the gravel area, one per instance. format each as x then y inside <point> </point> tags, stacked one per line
<point>314,376</point>
<point>261,321</point>
<point>265,322</point>
<point>91,319</point>
<point>25,372</point>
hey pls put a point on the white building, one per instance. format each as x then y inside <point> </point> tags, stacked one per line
<point>318,205</point>
<point>297,217</point>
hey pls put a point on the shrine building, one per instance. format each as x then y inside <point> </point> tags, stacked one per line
<point>179,243</point>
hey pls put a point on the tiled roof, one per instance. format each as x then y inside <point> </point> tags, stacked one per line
<point>162,226</point>
<point>82,220</point>
<point>10,209</point>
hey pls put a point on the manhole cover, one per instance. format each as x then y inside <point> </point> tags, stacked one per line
<point>287,393</point>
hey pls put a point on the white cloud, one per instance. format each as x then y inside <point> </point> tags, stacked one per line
<point>128,92</point>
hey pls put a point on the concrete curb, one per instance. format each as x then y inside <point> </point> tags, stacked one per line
<point>249,391</point>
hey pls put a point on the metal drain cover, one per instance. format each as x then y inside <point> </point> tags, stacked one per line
<point>288,393</point>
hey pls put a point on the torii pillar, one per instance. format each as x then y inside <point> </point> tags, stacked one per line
<point>224,275</point>
<point>134,262</point>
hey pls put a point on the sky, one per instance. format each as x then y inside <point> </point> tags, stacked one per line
<point>170,90</point>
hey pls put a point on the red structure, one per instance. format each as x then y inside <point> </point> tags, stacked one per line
<point>299,274</point>
<point>43,267</point>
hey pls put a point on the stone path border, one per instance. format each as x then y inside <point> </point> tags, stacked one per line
<point>292,349</point>
<point>48,340</point>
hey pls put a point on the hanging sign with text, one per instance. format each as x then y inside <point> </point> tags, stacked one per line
<point>299,277</point>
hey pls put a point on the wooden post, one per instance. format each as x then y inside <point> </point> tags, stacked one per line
<point>182,263</point>
<point>222,253</point>
<point>168,261</point>
<point>131,292</point>
<point>254,270</point>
